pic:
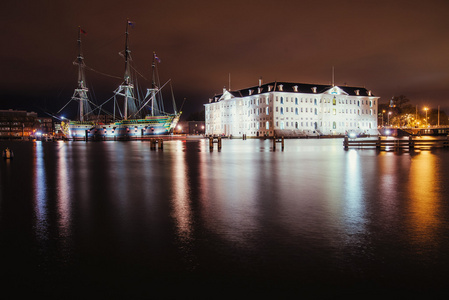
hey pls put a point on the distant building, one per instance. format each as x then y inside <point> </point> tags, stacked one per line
<point>190,127</point>
<point>45,125</point>
<point>292,109</point>
<point>17,123</point>
<point>196,127</point>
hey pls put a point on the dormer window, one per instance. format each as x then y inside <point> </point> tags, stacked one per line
<point>269,88</point>
<point>281,87</point>
<point>357,92</point>
<point>295,88</point>
<point>260,90</point>
<point>314,89</point>
<point>250,92</point>
<point>369,93</point>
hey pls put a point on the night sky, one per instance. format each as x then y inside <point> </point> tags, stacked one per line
<point>390,47</point>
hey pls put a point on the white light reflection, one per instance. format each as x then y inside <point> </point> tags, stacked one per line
<point>40,192</point>
<point>354,208</point>
<point>230,193</point>
<point>63,190</point>
<point>181,205</point>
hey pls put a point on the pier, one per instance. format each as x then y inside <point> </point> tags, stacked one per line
<point>215,140</point>
<point>278,140</point>
<point>397,144</point>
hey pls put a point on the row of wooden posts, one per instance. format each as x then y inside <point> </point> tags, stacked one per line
<point>156,143</point>
<point>217,140</point>
<point>396,144</point>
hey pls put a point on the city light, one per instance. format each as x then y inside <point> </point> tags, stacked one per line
<point>426,109</point>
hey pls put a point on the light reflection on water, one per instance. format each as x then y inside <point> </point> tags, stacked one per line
<point>40,192</point>
<point>246,207</point>
<point>425,200</point>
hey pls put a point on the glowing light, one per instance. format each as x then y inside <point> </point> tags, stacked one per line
<point>352,135</point>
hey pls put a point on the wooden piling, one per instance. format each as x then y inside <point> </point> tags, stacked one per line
<point>213,141</point>
<point>276,140</point>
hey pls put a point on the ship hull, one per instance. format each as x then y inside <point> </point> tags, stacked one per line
<point>125,129</point>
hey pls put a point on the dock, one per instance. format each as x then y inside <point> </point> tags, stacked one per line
<point>397,144</point>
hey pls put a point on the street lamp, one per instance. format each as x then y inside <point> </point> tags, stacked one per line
<point>389,113</point>
<point>383,111</point>
<point>425,108</point>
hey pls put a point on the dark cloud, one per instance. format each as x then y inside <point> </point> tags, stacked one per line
<point>391,47</point>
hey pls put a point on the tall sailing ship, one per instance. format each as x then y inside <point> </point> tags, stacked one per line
<point>133,119</point>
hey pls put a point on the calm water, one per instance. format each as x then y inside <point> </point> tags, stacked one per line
<point>118,220</point>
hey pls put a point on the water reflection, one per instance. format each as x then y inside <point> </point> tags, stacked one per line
<point>40,192</point>
<point>180,194</point>
<point>310,208</point>
<point>232,194</point>
<point>64,182</point>
<point>423,192</point>
<point>354,201</point>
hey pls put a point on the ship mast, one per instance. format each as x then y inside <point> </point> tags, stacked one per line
<point>127,86</point>
<point>153,84</point>
<point>80,92</point>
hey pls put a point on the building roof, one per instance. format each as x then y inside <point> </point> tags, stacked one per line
<point>291,87</point>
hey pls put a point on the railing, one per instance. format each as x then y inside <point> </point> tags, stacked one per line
<point>397,144</point>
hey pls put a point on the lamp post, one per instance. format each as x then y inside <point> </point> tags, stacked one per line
<point>425,108</point>
<point>383,111</point>
<point>389,113</point>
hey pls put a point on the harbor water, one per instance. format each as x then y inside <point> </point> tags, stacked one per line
<point>123,221</point>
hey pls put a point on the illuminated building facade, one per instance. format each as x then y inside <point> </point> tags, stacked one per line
<point>292,109</point>
<point>17,123</point>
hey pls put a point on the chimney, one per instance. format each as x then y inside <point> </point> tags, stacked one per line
<point>260,81</point>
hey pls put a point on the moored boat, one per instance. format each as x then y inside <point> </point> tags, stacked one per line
<point>137,118</point>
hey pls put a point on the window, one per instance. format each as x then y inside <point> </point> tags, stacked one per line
<point>267,125</point>
<point>296,110</point>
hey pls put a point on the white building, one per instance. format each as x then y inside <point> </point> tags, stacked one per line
<point>292,109</point>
